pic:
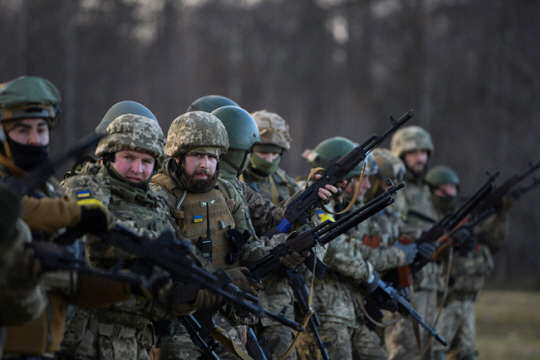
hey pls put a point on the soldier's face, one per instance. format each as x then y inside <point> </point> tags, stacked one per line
<point>135,166</point>
<point>268,156</point>
<point>30,131</point>
<point>200,166</point>
<point>416,160</point>
<point>353,183</point>
<point>446,190</point>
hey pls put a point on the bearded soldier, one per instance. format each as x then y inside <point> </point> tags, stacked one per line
<point>413,146</point>
<point>130,151</point>
<point>262,173</point>
<point>469,268</point>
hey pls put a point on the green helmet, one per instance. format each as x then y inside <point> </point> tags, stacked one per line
<point>411,138</point>
<point>29,97</point>
<point>122,108</point>
<point>274,132</point>
<point>390,166</point>
<point>241,128</point>
<point>197,130</point>
<point>136,133</point>
<point>333,149</point>
<point>441,175</point>
<point>210,103</point>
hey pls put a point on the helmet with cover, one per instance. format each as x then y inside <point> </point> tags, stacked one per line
<point>122,108</point>
<point>274,132</point>
<point>390,166</point>
<point>411,138</point>
<point>210,103</point>
<point>197,130</point>
<point>136,133</point>
<point>333,149</point>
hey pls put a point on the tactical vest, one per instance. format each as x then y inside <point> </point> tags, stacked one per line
<point>191,216</point>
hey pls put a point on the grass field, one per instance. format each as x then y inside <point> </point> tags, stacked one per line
<point>508,325</point>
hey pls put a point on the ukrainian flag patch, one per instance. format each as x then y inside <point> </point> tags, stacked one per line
<point>197,218</point>
<point>325,216</point>
<point>83,194</point>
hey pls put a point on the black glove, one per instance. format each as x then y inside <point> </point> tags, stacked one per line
<point>10,209</point>
<point>464,240</point>
<point>410,251</point>
<point>427,249</point>
<point>383,301</point>
<point>155,284</point>
<point>94,220</point>
<point>367,287</point>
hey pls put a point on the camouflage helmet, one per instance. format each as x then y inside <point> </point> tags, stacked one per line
<point>136,133</point>
<point>333,149</point>
<point>411,138</point>
<point>210,103</point>
<point>122,108</point>
<point>441,175</point>
<point>29,97</point>
<point>390,166</point>
<point>241,128</point>
<point>197,130</point>
<point>274,132</point>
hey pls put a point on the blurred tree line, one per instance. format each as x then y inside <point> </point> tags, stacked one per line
<point>470,68</point>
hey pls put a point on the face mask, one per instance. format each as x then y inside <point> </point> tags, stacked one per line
<point>444,204</point>
<point>28,157</point>
<point>235,162</point>
<point>262,166</point>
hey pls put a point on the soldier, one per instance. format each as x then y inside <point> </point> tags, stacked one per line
<point>337,296</point>
<point>131,150</point>
<point>469,268</point>
<point>413,146</point>
<point>262,173</point>
<point>28,108</point>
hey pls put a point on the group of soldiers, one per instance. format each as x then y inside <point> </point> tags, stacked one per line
<point>215,181</point>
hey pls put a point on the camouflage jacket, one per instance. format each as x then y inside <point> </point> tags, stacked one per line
<point>276,187</point>
<point>143,212</point>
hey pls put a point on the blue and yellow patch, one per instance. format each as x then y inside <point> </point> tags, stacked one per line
<point>325,216</point>
<point>83,194</point>
<point>197,218</point>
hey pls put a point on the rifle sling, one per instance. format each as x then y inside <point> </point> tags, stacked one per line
<point>221,335</point>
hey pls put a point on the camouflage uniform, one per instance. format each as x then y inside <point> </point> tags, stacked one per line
<point>204,133</point>
<point>123,329</point>
<point>457,321</point>
<point>400,338</point>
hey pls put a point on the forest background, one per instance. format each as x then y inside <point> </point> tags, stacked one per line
<point>470,68</point>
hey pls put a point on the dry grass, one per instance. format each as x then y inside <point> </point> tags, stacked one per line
<point>508,325</point>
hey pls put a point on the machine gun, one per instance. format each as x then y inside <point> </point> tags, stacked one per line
<point>323,233</point>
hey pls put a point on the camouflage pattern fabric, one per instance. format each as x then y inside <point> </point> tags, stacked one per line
<point>273,129</point>
<point>196,129</point>
<point>278,183</point>
<point>457,324</point>
<point>133,132</point>
<point>410,138</point>
<point>347,343</point>
<point>148,215</point>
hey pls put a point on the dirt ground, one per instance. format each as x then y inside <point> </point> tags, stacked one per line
<point>508,325</point>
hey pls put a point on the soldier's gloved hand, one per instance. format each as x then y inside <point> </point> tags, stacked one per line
<point>427,249</point>
<point>154,285</point>
<point>464,240</point>
<point>242,278</point>
<point>410,251</point>
<point>293,259</point>
<point>206,298</point>
<point>10,209</point>
<point>95,219</point>
<point>383,301</point>
<point>369,286</point>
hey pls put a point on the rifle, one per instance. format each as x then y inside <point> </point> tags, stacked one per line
<point>517,193</point>
<point>54,257</point>
<point>301,292</point>
<point>323,233</point>
<point>193,328</point>
<point>254,348</point>
<point>172,255</point>
<point>405,308</point>
<point>495,198</point>
<point>25,184</point>
<point>298,208</point>
<point>440,230</point>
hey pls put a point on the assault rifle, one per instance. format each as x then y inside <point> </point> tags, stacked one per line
<point>193,328</point>
<point>301,293</point>
<point>54,257</point>
<point>172,255</point>
<point>405,308</point>
<point>323,233</point>
<point>298,208</point>
<point>494,200</point>
<point>24,185</point>
<point>517,193</point>
<point>440,230</point>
